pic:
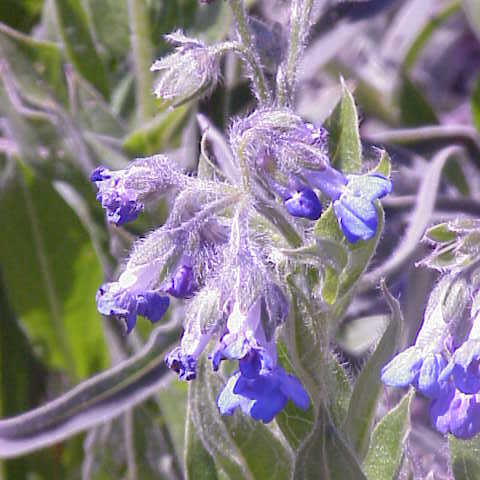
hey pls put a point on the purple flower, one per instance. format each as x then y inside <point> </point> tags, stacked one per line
<point>260,391</point>
<point>304,203</point>
<point>464,365</point>
<point>130,296</point>
<point>457,413</point>
<point>122,204</point>
<point>353,199</point>
<point>260,388</point>
<point>122,192</point>
<point>416,367</point>
<point>182,284</point>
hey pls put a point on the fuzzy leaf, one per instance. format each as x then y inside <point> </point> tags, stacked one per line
<point>465,457</point>
<point>37,66</point>
<point>199,464</point>
<point>92,402</point>
<point>52,288</point>
<point>365,395</point>
<point>344,140</point>
<point>156,135</point>
<point>79,44</point>
<point>325,455</point>
<point>386,448</point>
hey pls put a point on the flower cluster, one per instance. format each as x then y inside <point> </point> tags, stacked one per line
<point>210,254</point>
<point>444,365</point>
<point>290,157</point>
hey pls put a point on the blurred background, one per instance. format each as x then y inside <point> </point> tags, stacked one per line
<point>76,92</point>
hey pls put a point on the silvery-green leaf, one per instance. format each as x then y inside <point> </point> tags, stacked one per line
<point>52,289</point>
<point>158,134</point>
<point>199,464</point>
<point>131,445</point>
<point>344,135</point>
<point>465,457</point>
<point>475,102</point>
<point>388,439</point>
<point>440,233</point>
<point>365,395</point>
<point>114,34</point>
<point>326,455</point>
<point>95,401</point>
<point>242,447</point>
<point>37,66</point>
<point>79,43</point>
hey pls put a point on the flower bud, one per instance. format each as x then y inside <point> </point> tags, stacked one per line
<point>192,70</point>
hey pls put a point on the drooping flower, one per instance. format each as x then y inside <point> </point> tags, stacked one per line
<point>260,387</point>
<point>464,364</point>
<point>260,390</point>
<point>183,358</point>
<point>416,367</point>
<point>131,296</point>
<point>353,199</point>
<point>122,192</point>
<point>304,203</point>
<point>456,413</point>
<point>191,70</point>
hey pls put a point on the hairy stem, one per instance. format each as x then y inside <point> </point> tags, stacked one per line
<point>299,27</point>
<point>142,57</point>
<point>250,53</point>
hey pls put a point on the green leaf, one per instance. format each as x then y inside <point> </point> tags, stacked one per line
<point>158,134</point>
<point>368,387</point>
<point>429,28</point>
<point>414,107</point>
<point>114,34</point>
<point>242,447</point>
<point>128,446</point>
<point>326,455</point>
<point>21,14</point>
<point>386,449</point>
<point>51,274</point>
<point>441,233</point>
<point>475,103</point>
<point>79,44</point>
<point>199,464</point>
<point>93,402</point>
<point>465,457</point>
<point>344,140</point>
<point>37,66</point>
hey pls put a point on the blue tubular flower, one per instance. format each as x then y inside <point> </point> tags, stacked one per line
<point>259,392</point>
<point>464,365</point>
<point>415,367</point>
<point>353,199</point>
<point>126,299</point>
<point>122,192</point>
<point>456,413</point>
<point>121,204</point>
<point>182,283</point>
<point>305,204</point>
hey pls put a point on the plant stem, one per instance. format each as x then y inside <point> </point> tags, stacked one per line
<point>299,26</point>
<point>142,57</point>
<point>251,55</point>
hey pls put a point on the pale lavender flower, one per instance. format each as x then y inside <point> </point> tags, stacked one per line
<point>131,295</point>
<point>191,70</point>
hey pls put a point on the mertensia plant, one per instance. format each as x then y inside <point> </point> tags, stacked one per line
<point>246,262</point>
